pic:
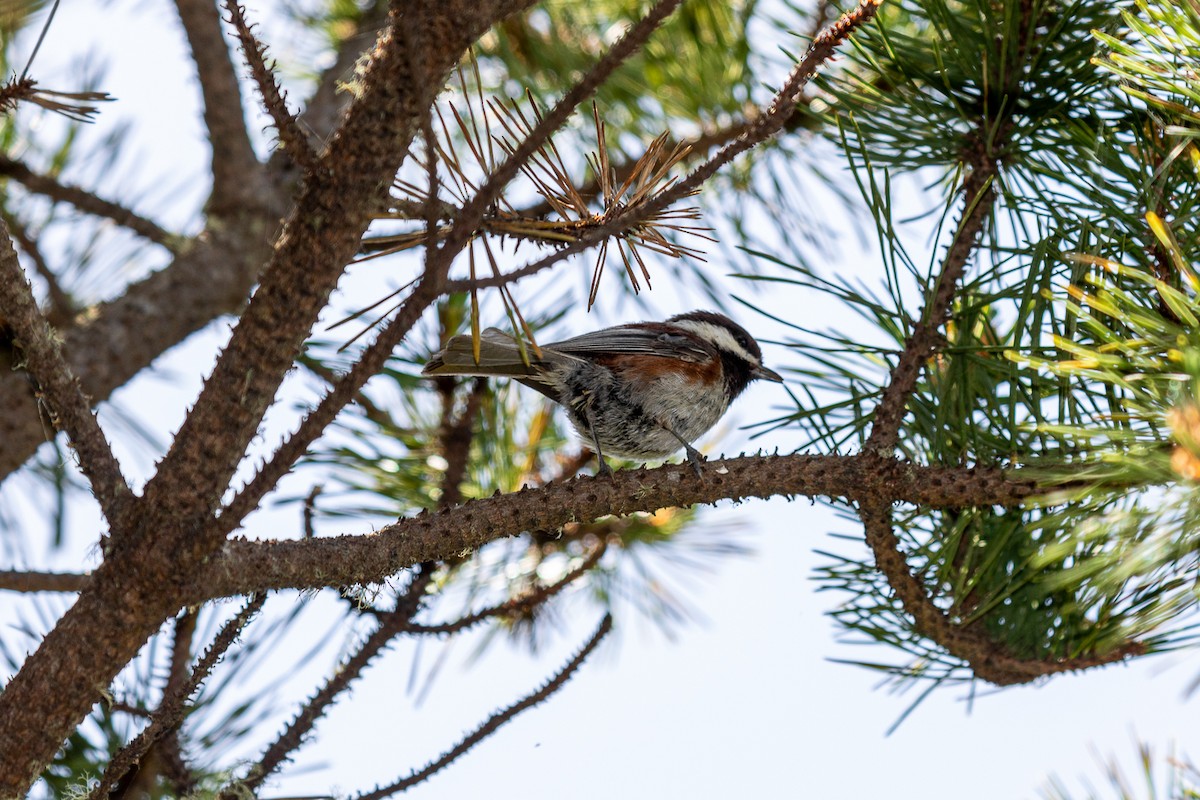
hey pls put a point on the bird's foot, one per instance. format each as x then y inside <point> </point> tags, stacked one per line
<point>695,458</point>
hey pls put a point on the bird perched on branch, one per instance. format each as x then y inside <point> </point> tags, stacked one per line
<point>639,391</point>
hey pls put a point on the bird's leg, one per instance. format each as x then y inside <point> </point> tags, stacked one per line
<point>695,458</point>
<point>585,410</point>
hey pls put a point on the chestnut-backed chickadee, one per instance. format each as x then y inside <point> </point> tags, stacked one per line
<point>640,391</point>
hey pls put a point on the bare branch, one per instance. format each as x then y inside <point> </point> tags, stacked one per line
<point>235,169</point>
<point>498,719</point>
<point>62,309</point>
<point>245,566</point>
<point>391,625</point>
<point>59,388</point>
<point>517,605</point>
<point>87,202</point>
<point>295,144</point>
<point>170,710</point>
<point>164,757</point>
<point>28,581</point>
<point>345,389</point>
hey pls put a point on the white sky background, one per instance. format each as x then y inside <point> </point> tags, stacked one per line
<point>746,703</point>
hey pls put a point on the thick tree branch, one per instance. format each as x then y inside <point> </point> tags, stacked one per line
<point>58,388</point>
<point>248,566</point>
<point>131,593</point>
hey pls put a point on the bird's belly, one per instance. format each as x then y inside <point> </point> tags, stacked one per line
<point>633,422</point>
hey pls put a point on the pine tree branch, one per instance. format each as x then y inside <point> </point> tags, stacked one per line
<point>345,389</point>
<point>88,202</point>
<point>317,242</point>
<point>107,344</point>
<point>62,309</point>
<point>58,388</point>
<point>31,581</point>
<point>521,604</point>
<point>238,178</point>
<point>296,145</point>
<point>989,660</point>
<point>390,625</point>
<point>170,711</point>
<point>979,196</point>
<point>494,722</point>
<point>329,100</point>
<point>468,220</point>
<point>767,123</point>
<point>125,603</point>
<point>246,566</point>
<point>164,757</point>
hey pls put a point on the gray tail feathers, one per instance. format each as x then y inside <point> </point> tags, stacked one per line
<point>499,354</point>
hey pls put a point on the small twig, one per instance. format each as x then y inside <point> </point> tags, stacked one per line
<point>476,209</point>
<point>235,169</point>
<point>69,409</point>
<point>517,605</point>
<point>62,309</point>
<point>498,719</point>
<point>310,510</point>
<point>138,778</point>
<point>29,581</point>
<point>295,143</point>
<point>988,659</point>
<point>390,625</point>
<point>170,710</point>
<point>345,389</point>
<point>132,710</point>
<point>766,124</point>
<point>87,202</point>
<point>372,412</point>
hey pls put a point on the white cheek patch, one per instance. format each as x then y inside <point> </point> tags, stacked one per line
<point>718,335</point>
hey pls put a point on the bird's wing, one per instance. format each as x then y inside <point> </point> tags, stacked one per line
<point>633,340</point>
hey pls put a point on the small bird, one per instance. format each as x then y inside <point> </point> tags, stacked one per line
<point>640,391</point>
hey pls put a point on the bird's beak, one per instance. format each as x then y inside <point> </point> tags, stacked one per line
<point>762,373</point>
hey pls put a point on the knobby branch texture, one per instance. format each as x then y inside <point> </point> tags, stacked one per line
<point>250,566</point>
<point>130,593</point>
